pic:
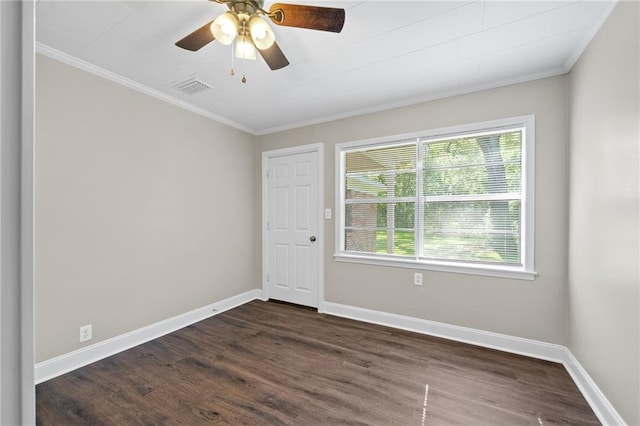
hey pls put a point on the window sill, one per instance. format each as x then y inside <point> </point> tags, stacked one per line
<point>460,268</point>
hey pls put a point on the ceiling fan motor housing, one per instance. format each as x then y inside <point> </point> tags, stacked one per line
<point>248,7</point>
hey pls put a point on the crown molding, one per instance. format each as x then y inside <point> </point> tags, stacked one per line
<point>117,78</point>
<point>582,45</point>
<point>416,100</point>
<point>565,68</point>
<point>45,50</point>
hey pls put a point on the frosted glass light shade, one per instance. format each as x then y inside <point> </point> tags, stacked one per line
<point>245,48</point>
<point>261,33</point>
<point>225,28</point>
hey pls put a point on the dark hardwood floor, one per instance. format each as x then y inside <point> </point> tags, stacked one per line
<point>267,363</point>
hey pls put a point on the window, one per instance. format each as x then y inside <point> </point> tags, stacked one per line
<point>456,199</point>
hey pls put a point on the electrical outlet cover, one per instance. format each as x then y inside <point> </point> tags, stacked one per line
<point>85,333</point>
<point>417,278</point>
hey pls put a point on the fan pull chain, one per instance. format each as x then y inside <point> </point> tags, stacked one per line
<point>232,72</point>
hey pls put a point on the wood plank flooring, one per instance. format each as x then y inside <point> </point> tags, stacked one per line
<point>268,363</point>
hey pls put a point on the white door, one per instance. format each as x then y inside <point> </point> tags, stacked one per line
<point>292,229</point>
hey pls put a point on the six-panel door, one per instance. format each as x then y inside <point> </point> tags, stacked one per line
<point>293,256</point>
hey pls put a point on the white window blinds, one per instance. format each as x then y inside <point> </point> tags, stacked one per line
<point>472,198</point>
<point>380,201</point>
<point>458,198</point>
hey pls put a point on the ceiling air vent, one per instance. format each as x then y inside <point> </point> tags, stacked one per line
<point>191,86</point>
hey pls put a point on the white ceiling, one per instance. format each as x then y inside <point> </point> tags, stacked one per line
<point>390,53</point>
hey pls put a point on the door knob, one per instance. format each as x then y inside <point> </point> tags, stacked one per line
<point>312,238</point>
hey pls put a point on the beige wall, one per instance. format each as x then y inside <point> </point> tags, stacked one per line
<point>143,210</point>
<point>530,309</point>
<point>604,256</point>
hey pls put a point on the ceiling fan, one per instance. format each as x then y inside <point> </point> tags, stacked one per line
<point>244,21</point>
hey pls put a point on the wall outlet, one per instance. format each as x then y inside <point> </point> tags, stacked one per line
<point>85,333</point>
<point>417,278</point>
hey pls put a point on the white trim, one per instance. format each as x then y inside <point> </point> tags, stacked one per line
<point>598,402</point>
<point>263,225</point>
<point>266,155</point>
<point>70,361</point>
<point>415,101</point>
<point>569,63</point>
<point>339,195</point>
<point>408,138</point>
<point>505,343</point>
<point>321,220</point>
<point>459,268</point>
<point>529,193</point>
<point>117,78</point>
<point>79,63</point>
<point>527,197</point>
<point>581,46</point>
<point>591,392</point>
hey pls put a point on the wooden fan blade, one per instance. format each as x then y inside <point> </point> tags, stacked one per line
<point>274,57</point>
<point>197,39</point>
<point>311,17</point>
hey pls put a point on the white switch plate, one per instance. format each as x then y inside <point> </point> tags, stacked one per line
<point>417,278</point>
<point>327,213</point>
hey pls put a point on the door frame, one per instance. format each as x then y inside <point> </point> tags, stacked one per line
<point>266,156</point>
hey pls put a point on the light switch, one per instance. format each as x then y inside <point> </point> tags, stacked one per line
<point>327,213</point>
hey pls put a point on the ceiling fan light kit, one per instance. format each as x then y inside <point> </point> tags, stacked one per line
<point>225,28</point>
<point>261,33</point>
<point>245,48</point>
<point>244,23</point>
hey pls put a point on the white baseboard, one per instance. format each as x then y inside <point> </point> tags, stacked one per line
<point>70,361</point>
<point>600,405</point>
<point>597,400</point>
<point>517,345</point>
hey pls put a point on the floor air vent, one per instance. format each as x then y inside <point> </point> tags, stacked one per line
<point>191,86</point>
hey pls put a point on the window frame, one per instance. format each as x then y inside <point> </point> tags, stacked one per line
<point>524,272</point>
